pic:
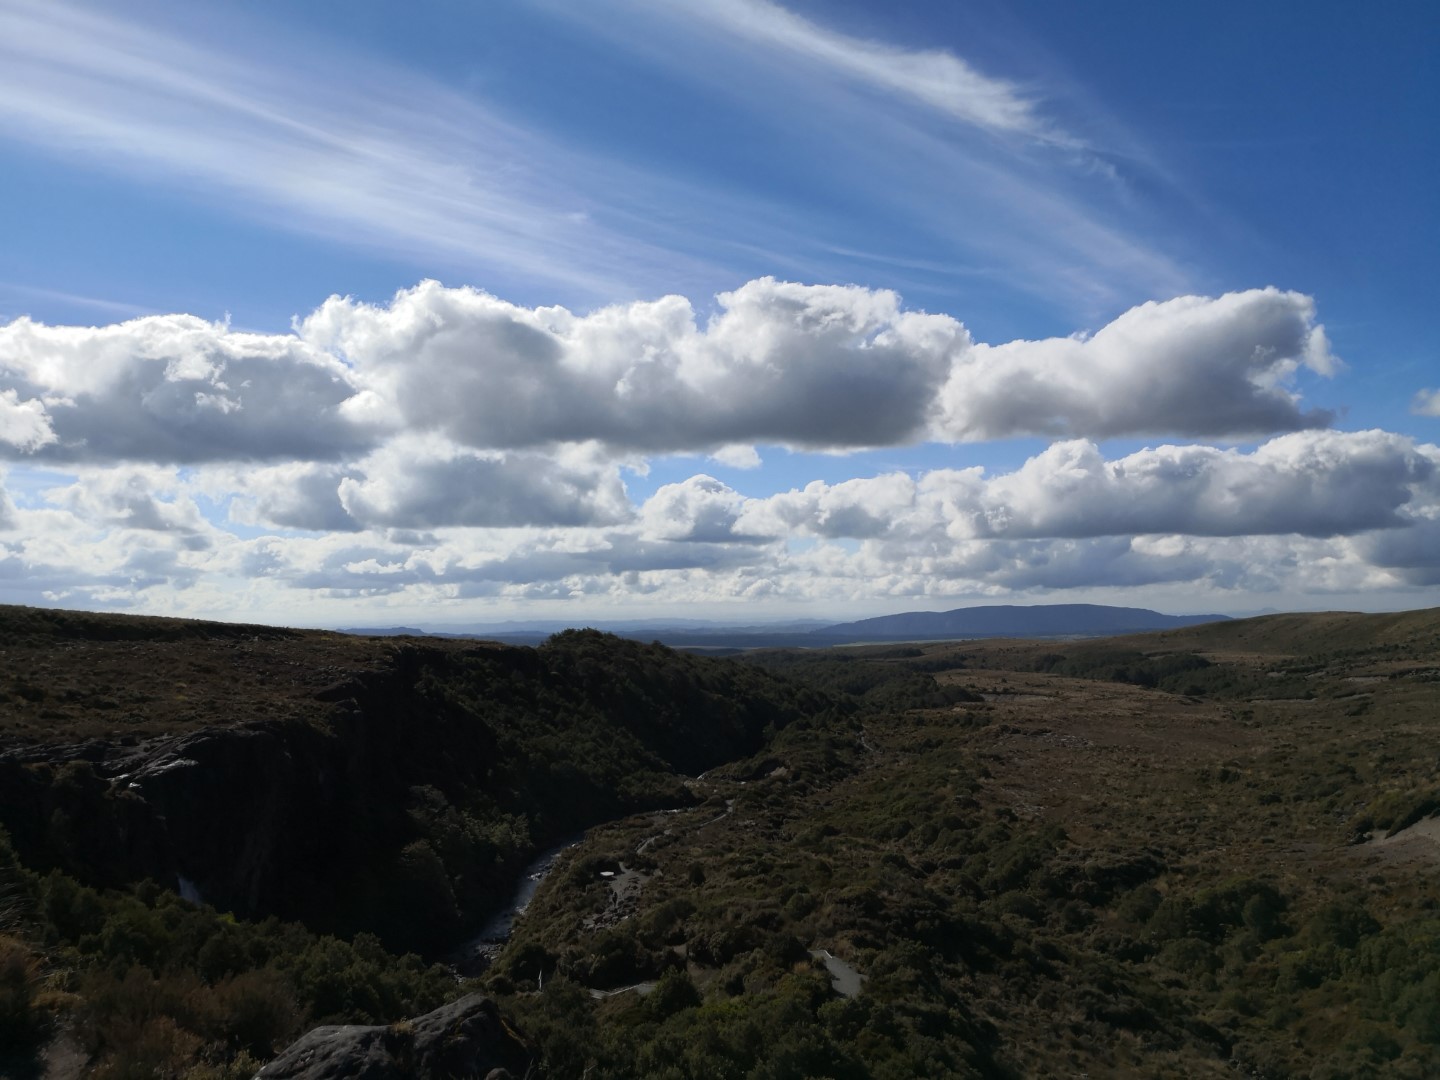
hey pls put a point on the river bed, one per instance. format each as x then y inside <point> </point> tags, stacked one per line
<point>475,955</point>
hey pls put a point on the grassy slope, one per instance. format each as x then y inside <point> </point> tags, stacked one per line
<point>1415,633</point>
<point>75,676</point>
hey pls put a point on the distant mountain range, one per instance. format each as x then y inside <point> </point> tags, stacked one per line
<point>1011,620</point>
<point>996,620</point>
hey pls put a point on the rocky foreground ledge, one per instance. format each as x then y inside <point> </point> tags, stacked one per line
<point>466,1038</point>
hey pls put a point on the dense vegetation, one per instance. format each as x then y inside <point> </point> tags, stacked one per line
<point>151,985</point>
<point>884,678</point>
<point>586,728</point>
<point>1129,860</point>
<point>1181,854</point>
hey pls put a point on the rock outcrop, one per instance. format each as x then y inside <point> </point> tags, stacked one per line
<point>466,1038</point>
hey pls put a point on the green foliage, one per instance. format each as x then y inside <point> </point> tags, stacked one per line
<point>887,681</point>
<point>674,992</point>
<point>1162,671</point>
<point>446,768</point>
<point>878,836</point>
<point>164,985</point>
<point>586,727</point>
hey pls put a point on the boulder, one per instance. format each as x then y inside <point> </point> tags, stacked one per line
<point>465,1038</point>
<point>344,1050</point>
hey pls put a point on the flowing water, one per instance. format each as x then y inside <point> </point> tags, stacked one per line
<point>476,954</point>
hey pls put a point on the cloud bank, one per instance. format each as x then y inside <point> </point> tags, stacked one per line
<point>450,447</point>
<point>816,367</point>
<point>1316,484</point>
<point>172,388</point>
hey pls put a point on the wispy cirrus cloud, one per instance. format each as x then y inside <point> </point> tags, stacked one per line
<point>334,145</point>
<point>935,78</point>
<point>16,296</point>
<point>323,140</point>
<point>977,178</point>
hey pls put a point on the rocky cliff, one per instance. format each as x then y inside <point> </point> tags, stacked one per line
<point>399,796</point>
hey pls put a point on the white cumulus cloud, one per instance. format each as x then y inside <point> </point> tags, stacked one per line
<point>24,424</point>
<point>149,498</point>
<point>414,486</point>
<point>449,446</point>
<point>804,365</point>
<point>699,509</point>
<point>1192,366</point>
<point>172,388</point>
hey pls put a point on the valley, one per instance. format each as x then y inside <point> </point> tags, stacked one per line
<point>1206,851</point>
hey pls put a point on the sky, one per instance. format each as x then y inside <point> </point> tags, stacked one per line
<point>450,313</point>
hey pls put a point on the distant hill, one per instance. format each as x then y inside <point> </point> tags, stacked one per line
<point>1312,632</point>
<point>1010,620</point>
<point>998,620</point>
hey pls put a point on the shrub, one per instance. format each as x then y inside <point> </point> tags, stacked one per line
<point>20,1021</point>
<point>673,993</point>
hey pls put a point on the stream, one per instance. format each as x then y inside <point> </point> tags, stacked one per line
<point>475,955</point>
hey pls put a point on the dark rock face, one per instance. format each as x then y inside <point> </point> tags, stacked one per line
<point>463,1039</point>
<point>256,817</point>
<point>342,1050</point>
<point>282,817</point>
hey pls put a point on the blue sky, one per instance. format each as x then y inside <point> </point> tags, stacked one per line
<point>331,313</point>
